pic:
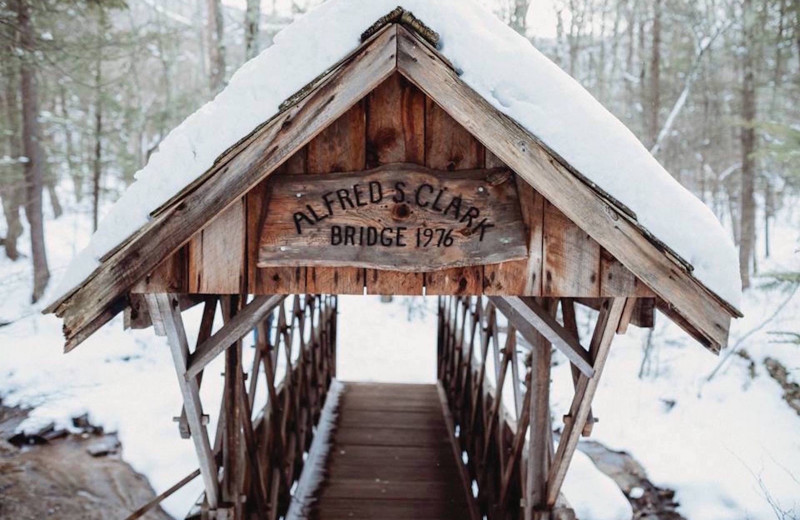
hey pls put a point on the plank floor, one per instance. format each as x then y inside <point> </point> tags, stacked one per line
<point>391,458</point>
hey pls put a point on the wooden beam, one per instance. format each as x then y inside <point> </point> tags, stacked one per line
<point>643,311</point>
<point>540,441</point>
<point>235,173</point>
<point>242,323</point>
<point>604,332</point>
<point>627,241</point>
<point>530,319</point>
<point>166,306</point>
<point>571,324</point>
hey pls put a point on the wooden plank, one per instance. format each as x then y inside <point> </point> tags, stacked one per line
<point>517,277</point>
<point>617,281</point>
<point>338,148</point>
<point>540,442</point>
<point>395,134</point>
<point>166,306</point>
<point>448,146</point>
<point>702,310</point>
<point>399,216</point>
<point>376,470</point>
<point>97,299</point>
<point>170,276</point>
<point>271,280</point>
<point>571,257</point>
<point>388,509</point>
<point>216,254</point>
<point>244,321</point>
<point>531,320</point>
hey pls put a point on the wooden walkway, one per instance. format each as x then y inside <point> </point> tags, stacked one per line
<point>392,456</point>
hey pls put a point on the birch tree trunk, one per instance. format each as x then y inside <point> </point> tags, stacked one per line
<point>31,139</point>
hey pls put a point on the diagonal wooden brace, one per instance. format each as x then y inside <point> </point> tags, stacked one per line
<point>607,324</point>
<point>530,319</point>
<point>244,321</point>
<point>165,307</point>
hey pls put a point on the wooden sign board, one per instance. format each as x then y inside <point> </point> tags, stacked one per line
<point>401,217</point>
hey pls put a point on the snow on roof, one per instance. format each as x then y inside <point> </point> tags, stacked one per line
<point>497,63</point>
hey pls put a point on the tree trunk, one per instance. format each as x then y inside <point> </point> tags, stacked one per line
<point>519,16</point>
<point>748,147</point>
<point>216,46</point>
<point>97,163</point>
<point>655,74</point>
<point>12,182</point>
<point>252,19</point>
<point>31,138</point>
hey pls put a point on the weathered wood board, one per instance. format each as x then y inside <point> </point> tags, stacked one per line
<point>402,217</point>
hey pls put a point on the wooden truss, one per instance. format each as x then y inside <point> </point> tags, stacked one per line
<point>507,471</point>
<point>257,451</point>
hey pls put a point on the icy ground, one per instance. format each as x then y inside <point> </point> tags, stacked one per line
<point>730,447</point>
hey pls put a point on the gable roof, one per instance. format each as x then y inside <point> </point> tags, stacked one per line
<point>524,94</point>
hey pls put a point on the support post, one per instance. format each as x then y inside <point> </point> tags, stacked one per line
<point>165,306</point>
<point>540,441</point>
<point>605,329</point>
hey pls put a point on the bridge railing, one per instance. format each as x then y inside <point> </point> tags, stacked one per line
<point>487,377</point>
<point>267,410</point>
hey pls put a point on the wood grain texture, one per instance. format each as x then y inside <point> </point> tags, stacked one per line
<point>515,276</point>
<point>339,147</point>
<point>702,311</point>
<point>272,280</point>
<point>571,257</point>
<point>171,275</point>
<point>449,146</point>
<point>216,254</point>
<point>616,280</point>
<point>399,216</point>
<point>375,470</point>
<point>395,133</point>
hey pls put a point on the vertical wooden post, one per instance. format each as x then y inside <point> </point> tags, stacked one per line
<point>231,447</point>
<point>540,438</point>
<point>166,308</point>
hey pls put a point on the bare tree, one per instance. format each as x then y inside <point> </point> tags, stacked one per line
<point>748,144</point>
<point>655,73</point>
<point>252,18</point>
<point>12,182</point>
<point>31,139</point>
<point>215,45</point>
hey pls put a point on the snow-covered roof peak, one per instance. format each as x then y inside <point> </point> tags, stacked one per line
<point>493,60</point>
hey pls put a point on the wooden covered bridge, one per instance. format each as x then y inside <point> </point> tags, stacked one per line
<point>388,174</point>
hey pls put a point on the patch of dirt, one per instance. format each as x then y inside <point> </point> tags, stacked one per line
<point>791,390</point>
<point>649,502</point>
<point>53,474</point>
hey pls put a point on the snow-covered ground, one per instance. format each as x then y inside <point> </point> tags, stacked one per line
<point>730,447</point>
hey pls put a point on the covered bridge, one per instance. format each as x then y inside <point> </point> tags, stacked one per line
<point>420,150</point>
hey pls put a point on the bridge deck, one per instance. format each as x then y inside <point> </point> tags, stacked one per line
<point>391,457</point>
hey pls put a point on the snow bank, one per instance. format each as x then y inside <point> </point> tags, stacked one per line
<point>593,495</point>
<point>497,63</point>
